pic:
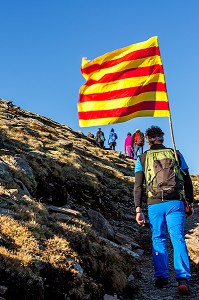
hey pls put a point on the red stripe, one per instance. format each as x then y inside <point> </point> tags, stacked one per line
<point>122,93</point>
<point>129,73</point>
<point>124,111</point>
<point>143,53</point>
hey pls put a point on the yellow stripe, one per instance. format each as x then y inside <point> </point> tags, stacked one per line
<point>106,121</point>
<point>121,52</point>
<point>121,102</point>
<point>121,84</point>
<point>143,62</point>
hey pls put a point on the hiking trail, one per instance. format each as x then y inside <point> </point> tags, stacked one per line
<point>146,282</point>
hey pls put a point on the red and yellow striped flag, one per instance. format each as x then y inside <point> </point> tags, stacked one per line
<point>123,84</point>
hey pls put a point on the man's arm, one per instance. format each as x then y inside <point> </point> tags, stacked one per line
<point>188,186</point>
<point>138,188</point>
<point>138,192</point>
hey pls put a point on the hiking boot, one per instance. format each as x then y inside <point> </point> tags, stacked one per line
<point>162,283</point>
<point>183,288</point>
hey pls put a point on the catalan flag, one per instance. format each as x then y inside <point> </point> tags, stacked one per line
<point>123,84</point>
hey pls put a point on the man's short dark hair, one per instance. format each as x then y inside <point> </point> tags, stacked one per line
<point>154,133</point>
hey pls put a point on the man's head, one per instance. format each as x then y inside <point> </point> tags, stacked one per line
<point>112,130</point>
<point>137,130</point>
<point>99,129</point>
<point>154,135</point>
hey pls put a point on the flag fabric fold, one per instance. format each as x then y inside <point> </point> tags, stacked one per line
<point>123,84</point>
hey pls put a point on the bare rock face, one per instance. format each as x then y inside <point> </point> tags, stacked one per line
<point>23,166</point>
<point>101,225</point>
<point>5,172</point>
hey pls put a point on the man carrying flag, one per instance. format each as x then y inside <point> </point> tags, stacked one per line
<point>128,83</point>
<point>166,189</point>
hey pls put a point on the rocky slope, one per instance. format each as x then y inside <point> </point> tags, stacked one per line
<point>67,224</point>
<point>62,202</point>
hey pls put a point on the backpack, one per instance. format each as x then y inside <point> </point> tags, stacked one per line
<point>114,136</point>
<point>102,138</point>
<point>163,175</point>
<point>139,138</point>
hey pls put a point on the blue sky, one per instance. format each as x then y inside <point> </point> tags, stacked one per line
<point>43,42</point>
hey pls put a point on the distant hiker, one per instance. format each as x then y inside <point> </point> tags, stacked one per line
<point>138,142</point>
<point>112,139</point>
<point>100,138</point>
<point>166,186</point>
<point>90,135</point>
<point>128,145</point>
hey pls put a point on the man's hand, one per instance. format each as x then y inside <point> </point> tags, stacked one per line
<point>140,218</point>
<point>192,210</point>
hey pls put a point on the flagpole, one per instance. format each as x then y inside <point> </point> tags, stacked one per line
<point>172,137</point>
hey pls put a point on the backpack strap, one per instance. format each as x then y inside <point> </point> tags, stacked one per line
<point>143,157</point>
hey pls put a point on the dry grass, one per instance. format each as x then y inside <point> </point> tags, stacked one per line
<point>19,236</point>
<point>57,252</point>
<point>2,190</point>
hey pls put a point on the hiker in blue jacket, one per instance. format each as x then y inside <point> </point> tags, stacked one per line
<point>166,187</point>
<point>112,139</point>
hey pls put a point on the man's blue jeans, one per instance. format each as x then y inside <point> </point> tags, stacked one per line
<point>162,216</point>
<point>136,149</point>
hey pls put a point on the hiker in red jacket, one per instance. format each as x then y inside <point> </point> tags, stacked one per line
<point>138,142</point>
